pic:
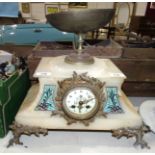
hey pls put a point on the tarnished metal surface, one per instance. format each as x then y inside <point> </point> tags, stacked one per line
<point>19,129</point>
<point>81,80</point>
<point>81,21</point>
<point>82,58</point>
<point>137,133</point>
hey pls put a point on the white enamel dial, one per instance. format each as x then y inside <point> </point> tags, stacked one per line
<point>80,101</point>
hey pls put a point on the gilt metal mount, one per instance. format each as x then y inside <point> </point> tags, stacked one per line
<point>129,133</point>
<point>19,129</point>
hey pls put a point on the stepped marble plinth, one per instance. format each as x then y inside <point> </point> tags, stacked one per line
<point>54,69</point>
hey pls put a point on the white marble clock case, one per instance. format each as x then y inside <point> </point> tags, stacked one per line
<point>52,69</point>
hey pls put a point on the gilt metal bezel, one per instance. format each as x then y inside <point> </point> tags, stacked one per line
<point>84,81</point>
<point>82,116</point>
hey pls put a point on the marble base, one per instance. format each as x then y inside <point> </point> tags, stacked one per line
<point>53,69</point>
<point>28,116</point>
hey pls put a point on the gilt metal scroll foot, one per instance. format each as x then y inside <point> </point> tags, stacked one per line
<point>138,133</point>
<point>139,138</point>
<point>19,129</point>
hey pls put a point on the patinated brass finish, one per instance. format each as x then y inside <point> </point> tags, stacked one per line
<point>19,129</point>
<point>79,58</point>
<point>81,80</point>
<point>137,133</point>
<point>80,21</point>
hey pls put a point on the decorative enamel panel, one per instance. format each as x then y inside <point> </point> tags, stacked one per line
<point>47,102</point>
<point>112,104</point>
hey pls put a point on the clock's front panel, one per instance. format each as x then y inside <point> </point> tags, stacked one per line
<point>80,103</point>
<point>72,100</point>
<point>119,110</point>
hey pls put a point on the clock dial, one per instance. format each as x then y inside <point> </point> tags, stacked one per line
<point>80,98</point>
<point>80,102</point>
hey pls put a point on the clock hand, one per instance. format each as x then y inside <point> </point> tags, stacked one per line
<point>80,107</point>
<point>86,101</point>
<point>83,102</point>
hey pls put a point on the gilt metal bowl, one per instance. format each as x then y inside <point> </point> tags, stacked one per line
<point>80,21</point>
